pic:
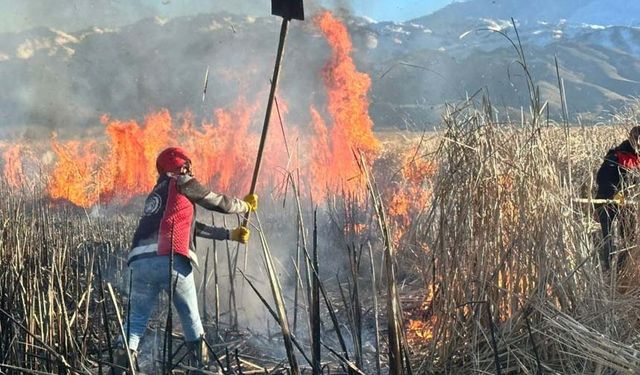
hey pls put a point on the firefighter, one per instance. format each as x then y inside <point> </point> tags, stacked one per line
<point>612,178</point>
<point>168,226</point>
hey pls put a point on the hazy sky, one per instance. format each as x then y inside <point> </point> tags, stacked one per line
<point>396,10</point>
<point>16,15</point>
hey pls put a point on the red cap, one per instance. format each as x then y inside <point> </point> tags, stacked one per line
<point>171,160</point>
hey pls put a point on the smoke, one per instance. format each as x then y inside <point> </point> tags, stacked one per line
<point>75,15</point>
<point>64,81</point>
<point>152,64</point>
<point>283,241</point>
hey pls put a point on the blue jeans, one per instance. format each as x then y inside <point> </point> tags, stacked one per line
<point>150,276</point>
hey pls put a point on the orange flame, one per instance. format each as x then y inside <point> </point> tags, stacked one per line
<point>421,320</point>
<point>12,170</point>
<point>228,165</point>
<point>74,177</point>
<point>113,170</point>
<point>334,164</point>
<point>408,198</point>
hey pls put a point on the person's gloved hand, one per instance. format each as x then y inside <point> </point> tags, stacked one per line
<point>619,197</point>
<point>239,234</point>
<point>252,201</point>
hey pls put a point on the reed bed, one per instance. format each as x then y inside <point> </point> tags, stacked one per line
<point>510,259</point>
<point>65,283</point>
<point>52,317</point>
<point>474,234</point>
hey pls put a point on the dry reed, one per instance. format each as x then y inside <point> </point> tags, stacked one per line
<point>512,259</point>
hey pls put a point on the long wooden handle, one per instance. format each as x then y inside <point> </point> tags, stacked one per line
<point>267,117</point>
<point>603,201</point>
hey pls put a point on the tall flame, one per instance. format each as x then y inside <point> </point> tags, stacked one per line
<point>122,164</point>
<point>334,164</point>
<point>76,176</point>
<point>223,148</point>
<point>12,171</point>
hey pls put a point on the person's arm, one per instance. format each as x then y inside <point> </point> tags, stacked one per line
<point>200,195</point>
<point>214,233</point>
<point>239,234</point>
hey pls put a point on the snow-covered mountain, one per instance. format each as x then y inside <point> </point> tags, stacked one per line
<point>463,48</point>
<point>461,27</point>
<point>531,13</point>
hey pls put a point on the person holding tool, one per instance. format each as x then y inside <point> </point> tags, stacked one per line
<point>164,239</point>
<point>612,178</point>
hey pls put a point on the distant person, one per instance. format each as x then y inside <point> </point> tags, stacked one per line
<point>169,224</point>
<point>612,178</point>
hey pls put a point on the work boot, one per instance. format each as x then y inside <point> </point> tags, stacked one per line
<point>198,355</point>
<point>121,361</point>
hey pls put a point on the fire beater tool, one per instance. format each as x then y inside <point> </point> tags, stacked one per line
<point>288,10</point>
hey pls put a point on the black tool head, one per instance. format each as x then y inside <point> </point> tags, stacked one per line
<point>288,9</point>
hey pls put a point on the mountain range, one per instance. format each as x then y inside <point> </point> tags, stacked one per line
<point>63,81</point>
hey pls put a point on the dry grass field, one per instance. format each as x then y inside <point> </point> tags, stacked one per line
<point>464,253</point>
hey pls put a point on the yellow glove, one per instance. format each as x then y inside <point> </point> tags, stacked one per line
<point>239,234</point>
<point>252,201</point>
<point>619,197</point>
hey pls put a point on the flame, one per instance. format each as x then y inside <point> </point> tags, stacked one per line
<point>121,165</point>
<point>222,150</point>
<point>333,163</point>
<point>24,165</point>
<point>12,170</point>
<point>83,178</point>
<point>411,196</point>
<point>74,177</point>
<point>130,165</point>
<point>420,330</point>
<point>421,321</point>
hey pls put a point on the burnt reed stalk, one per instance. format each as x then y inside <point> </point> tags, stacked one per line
<point>233,306</point>
<point>125,340</point>
<point>303,238</point>
<point>50,255</point>
<point>298,282</point>
<point>105,315</point>
<point>354,260</point>
<point>314,315</point>
<point>336,324</point>
<point>274,314</point>
<point>278,298</point>
<point>394,316</point>
<point>203,287</point>
<point>216,291</point>
<point>231,261</point>
<point>374,294</point>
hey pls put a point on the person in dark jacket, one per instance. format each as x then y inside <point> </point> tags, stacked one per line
<point>612,178</point>
<point>164,239</point>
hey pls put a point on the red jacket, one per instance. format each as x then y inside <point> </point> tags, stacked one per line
<point>169,219</point>
<point>177,224</point>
